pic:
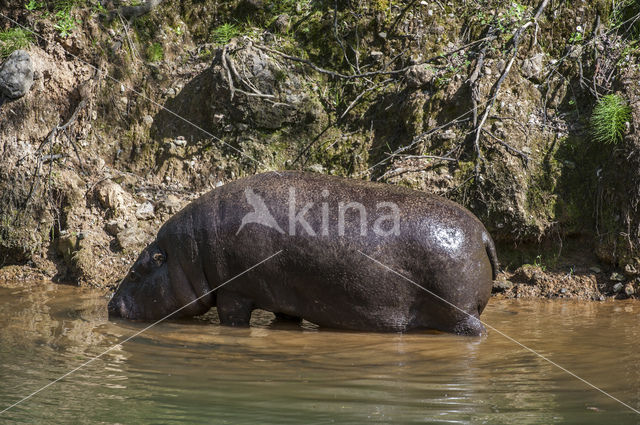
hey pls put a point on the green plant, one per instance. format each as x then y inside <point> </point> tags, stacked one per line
<point>155,53</point>
<point>609,118</point>
<point>576,37</point>
<point>224,33</point>
<point>14,39</point>
<point>538,263</point>
<point>34,5</point>
<point>65,24</point>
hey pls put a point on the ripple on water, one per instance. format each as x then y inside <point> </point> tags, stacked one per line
<point>198,372</point>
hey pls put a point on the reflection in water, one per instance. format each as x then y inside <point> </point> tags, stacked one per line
<point>278,372</point>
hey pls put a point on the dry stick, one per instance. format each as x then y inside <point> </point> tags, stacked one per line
<point>393,26</point>
<point>473,78</point>
<point>232,89</point>
<point>443,158</point>
<point>337,36</point>
<point>548,74</point>
<point>131,45</point>
<point>344,114</point>
<point>510,148</point>
<point>51,138</point>
<point>496,88</point>
<point>230,69</point>
<point>418,139</point>
<point>332,73</point>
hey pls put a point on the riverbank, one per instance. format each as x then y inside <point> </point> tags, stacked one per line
<point>130,113</point>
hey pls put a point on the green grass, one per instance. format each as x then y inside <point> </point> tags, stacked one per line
<point>155,52</point>
<point>65,21</point>
<point>14,39</point>
<point>608,119</point>
<point>224,33</point>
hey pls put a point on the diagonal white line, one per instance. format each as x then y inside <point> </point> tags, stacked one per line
<point>136,334</point>
<point>503,334</point>
<point>131,89</point>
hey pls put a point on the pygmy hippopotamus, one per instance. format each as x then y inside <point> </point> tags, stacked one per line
<point>338,252</point>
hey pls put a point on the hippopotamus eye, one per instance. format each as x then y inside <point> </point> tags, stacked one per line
<point>159,258</point>
<point>133,275</point>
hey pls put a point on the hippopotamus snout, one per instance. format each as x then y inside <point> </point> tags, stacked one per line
<point>116,307</point>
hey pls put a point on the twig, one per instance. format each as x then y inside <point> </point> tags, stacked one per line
<point>510,148</point>
<point>496,88</point>
<point>442,158</point>
<point>50,139</point>
<point>131,45</point>
<point>409,5</point>
<point>332,73</point>
<point>344,114</point>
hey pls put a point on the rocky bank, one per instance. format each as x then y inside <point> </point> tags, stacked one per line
<point>115,115</point>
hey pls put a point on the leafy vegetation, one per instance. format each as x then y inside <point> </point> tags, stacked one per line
<point>34,5</point>
<point>224,33</point>
<point>609,117</point>
<point>63,12</point>
<point>155,53</point>
<point>14,39</point>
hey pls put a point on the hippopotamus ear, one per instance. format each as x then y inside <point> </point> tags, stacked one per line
<point>159,258</point>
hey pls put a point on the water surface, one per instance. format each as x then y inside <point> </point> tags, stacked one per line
<point>198,372</point>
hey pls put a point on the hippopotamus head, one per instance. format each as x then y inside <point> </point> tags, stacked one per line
<point>145,292</point>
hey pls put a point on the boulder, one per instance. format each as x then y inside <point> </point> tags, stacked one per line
<point>418,76</point>
<point>112,196</point>
<point>16,75</point>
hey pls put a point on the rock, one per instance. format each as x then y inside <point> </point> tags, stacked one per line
<point>419,75</point>
<point>629,289</point>
<point>180,141</point>
<point>316,168</point>
<point>528,274</point>
<point>617,277</point>
<point>630,270</point>
<point>16,75</point>
<point>502,285</point>
<point>113,227</point>
<point>290,100</point>
<point>112,196</point>
<point>132,239</point>
<point>617,287</point>
<point>147,120</point>
<point>377,55</point>
<point>171,204</point>
<point>145,211</point>
<point>447,135</point>
<point>282,23</point>
<point>595,269</point>
<point>532,67</point>
<point>66,246</point>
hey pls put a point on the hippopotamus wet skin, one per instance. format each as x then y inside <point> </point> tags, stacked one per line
<point>323,226</point>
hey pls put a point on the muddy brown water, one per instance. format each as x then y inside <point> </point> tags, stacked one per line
<point>198,372</point>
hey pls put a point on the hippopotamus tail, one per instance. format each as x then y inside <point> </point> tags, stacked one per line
<point>491,252</point>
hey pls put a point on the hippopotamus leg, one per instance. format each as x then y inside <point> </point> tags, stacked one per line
<point>233,308</point>
<point>471,326</point>
<point>283,317</point>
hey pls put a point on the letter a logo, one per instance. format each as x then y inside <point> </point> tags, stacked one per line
<point>260,214</point>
